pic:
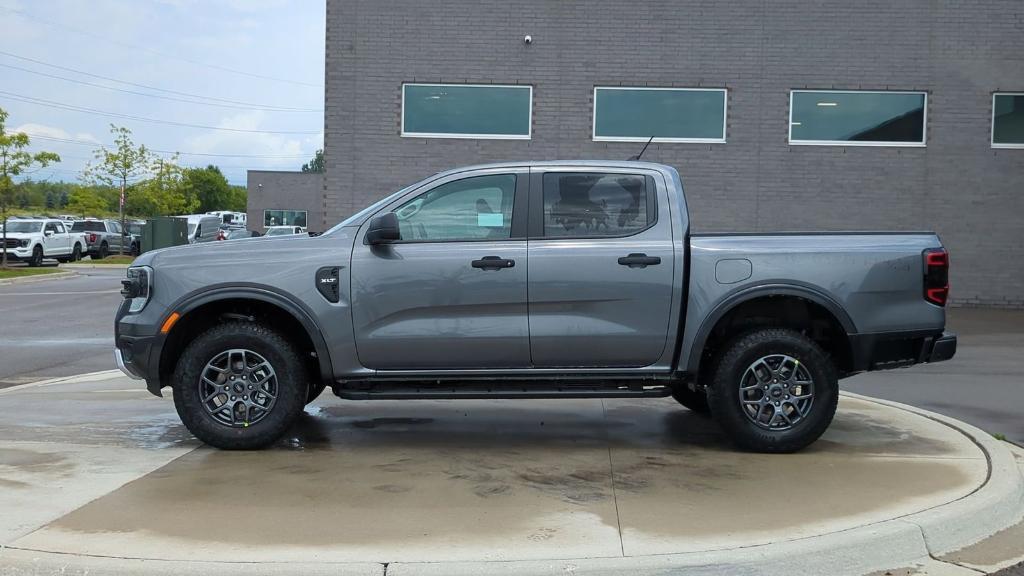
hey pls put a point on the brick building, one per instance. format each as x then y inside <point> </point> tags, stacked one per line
<point>780,115</point>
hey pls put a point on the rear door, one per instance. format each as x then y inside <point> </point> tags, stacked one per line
<point>601,268</point>
<point>451,294</point>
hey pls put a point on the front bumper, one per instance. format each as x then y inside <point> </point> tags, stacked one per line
<point>17,254</point>
<point>119,359</point>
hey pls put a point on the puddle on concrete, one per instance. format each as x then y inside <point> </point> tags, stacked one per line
<point>28,461</point>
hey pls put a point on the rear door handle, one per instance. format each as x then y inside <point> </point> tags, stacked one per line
<point>639,260</point>
<point>493,263</point>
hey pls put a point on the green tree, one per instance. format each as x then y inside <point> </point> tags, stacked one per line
<point>15,160</point>
<point>166,193</point>
<point>239,199</point>
<point>210,187</point>
<point>83,201</point>
<point>121,167</point>
<point>316,164</point>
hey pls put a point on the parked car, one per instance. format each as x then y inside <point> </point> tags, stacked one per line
<point>33,240</point>
<point>106,237</point>
<point>547,280</point>
<point>202,228</point>
<point>284,230</point>
<point>242,233</point>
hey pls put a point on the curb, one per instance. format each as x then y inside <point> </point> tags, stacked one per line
<point>37,278</point>
<point>87,377</point>
<point>995,505</point>
<point>95,266</point>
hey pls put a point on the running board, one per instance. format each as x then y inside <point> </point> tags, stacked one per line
<point>493,390</point>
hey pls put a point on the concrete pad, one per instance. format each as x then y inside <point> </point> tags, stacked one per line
<point>475,487</point>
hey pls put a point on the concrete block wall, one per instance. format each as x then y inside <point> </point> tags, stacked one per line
<point>959,51</point>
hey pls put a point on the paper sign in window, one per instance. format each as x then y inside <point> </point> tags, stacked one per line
<point>490,220</point>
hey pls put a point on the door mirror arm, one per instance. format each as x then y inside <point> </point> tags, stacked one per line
<point>383,229</point>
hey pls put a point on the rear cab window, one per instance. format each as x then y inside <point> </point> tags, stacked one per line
<point>596,205</point>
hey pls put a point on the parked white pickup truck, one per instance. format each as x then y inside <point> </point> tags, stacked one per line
<point>32,240</point>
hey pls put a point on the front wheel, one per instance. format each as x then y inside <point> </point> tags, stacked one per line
<point>37,257</point>
<point>774,390</point>
<point>239,386</point>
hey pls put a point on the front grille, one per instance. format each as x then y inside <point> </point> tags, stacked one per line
<point>11,243</point>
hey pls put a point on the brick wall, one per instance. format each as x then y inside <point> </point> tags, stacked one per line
<point>957,51</point>
<point>272,190</point>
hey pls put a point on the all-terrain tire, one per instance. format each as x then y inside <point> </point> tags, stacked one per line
<point>276,349</point>
<point>315,390</point>
<point>724,392</point>
<point>691,397</point>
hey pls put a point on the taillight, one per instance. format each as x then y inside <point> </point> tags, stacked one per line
<point>936,276</point>
<point>91,238</point>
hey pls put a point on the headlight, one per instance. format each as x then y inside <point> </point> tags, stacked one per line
<point>23,243</point>
<point>137,287</point>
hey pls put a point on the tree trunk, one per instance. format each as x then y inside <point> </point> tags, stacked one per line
<point>3,259</point>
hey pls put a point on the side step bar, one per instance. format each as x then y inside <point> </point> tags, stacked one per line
<point>493,390</point>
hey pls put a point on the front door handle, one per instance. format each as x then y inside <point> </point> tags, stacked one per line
<point>493,263</point>
<point>639,260</point>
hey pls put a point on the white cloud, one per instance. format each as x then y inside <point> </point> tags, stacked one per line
<point>54,132</point>
<point>223,142</point>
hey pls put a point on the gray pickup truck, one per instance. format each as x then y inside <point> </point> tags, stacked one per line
<point>572,279</point>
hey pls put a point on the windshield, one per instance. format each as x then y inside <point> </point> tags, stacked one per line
<point>279,232</point>
<point>191,229</point>
<point>32,226</point>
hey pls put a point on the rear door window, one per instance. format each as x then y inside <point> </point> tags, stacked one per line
<point>594,204</point>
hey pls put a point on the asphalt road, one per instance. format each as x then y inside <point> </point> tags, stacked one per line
<point>59,328</point>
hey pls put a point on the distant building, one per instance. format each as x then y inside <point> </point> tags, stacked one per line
<point>285,198</point>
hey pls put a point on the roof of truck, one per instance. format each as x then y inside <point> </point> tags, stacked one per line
<point>585,163</point>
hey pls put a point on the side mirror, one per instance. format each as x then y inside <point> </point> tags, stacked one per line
<point>383,229</point>
<point>49,233</point>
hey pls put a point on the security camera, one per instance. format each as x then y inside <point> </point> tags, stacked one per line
<point>528,39</point>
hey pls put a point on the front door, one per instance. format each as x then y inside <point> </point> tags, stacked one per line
<point>451,294</point>
<point>601,269</point>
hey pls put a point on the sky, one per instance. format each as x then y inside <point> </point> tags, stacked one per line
<point>235,83</point>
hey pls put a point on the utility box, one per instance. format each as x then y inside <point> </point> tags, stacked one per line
<point>164,232</point>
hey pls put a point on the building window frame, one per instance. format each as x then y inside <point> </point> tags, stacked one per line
<point>305,219</point>
<point>866,143</point>
<point>657,139</point>
<point>992,133</point>
<point>467,135</point>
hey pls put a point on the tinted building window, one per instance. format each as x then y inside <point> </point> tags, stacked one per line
<point>476,208</point>
<point>668,114</point>
<point>284,218</point>
<point>594,205</point>
<point>1008,120</point>
<point>857,118</point>
<point>466,111</point>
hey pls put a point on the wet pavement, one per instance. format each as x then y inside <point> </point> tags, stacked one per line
<point>103,468</point>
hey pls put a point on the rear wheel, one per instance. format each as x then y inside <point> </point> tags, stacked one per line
<point>135,249</point>
<point>239,386</point>
<point>76,254</point>
<point>774,390</point>
<point>102,252</point>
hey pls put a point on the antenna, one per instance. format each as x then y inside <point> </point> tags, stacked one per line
<point>637,157</point>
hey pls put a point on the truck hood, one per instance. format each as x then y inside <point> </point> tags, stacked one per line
<point>254,262</point>
<point>21,235</point>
